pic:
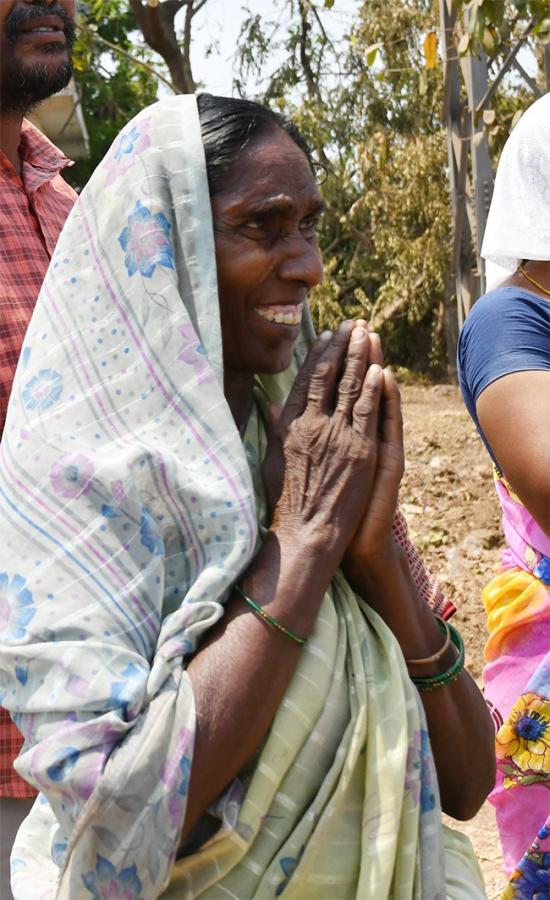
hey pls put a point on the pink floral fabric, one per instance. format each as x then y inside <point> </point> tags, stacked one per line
<point>517,688</point>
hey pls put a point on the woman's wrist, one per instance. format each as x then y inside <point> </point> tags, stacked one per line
<point>384,581</point>
<point>288,579</point>
<point>366,571</point>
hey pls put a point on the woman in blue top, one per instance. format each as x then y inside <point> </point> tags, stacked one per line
<point>504,365</point>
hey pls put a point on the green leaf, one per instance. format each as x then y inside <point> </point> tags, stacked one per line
<point>542,28</point>
<point>370,53</point>
<point>329,4</point>
<point>494,12</point>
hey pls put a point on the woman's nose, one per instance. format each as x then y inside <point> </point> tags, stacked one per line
<point>302,261</point>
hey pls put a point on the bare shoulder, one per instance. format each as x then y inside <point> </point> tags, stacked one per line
<point>514,413</point>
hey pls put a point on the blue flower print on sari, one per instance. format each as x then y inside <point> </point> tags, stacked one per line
<point>71,476</point>
<point>66,759</point>
<point>412,773</point>
<point>150,534</point>
<point>16,607</point>
<point>185,766</point>
<point>43,390</point>
<point>108,884</point>
<point>427,789</point>
<point>114,510</point>
<point>127,143</point>
<point>175,775</point>
<point>146,241</point>
<point>128,693</point>
<point>288,865</point>
<point>126,149</point>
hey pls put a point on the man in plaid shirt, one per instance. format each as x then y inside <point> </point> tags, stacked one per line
<point>36,37</point>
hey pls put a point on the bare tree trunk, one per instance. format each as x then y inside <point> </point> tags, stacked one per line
<point>157,26</point>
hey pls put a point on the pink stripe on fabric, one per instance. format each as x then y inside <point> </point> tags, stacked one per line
<point>108,416</point>
<point>54,514</point>
<point>170,400</point>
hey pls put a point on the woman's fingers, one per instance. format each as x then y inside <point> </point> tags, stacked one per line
<point>351,347</point>
<point>375,349</point>
<point>322,383</point>
<point>354,371</point>
<point>367,407</point>
<point>297,398</point>
<point>392,419</point>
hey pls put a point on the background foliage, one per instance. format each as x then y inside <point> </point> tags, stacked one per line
<point>370,106</point>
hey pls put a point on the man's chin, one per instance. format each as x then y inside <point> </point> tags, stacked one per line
<point>24,87</point>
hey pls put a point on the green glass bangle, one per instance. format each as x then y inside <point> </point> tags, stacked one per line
<point>432,682</point>
<point>269,619</point>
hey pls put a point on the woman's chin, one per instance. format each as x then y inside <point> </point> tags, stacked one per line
<point>274,366</point>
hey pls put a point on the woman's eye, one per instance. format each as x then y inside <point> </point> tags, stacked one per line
<point>308,227</point>
<point>254,228</point>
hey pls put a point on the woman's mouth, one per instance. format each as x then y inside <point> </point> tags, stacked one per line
<point>281,313</point>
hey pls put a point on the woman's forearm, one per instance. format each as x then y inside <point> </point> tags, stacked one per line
<point>457,716</point>
<point>241,673</point>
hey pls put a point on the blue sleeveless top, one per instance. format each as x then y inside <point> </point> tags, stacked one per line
<point>507,330</point>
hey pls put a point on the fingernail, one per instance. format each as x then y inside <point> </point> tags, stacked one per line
<point>374,373</point>
<point>358,334</point>
<point>346,325</point>
<point>325,335</point>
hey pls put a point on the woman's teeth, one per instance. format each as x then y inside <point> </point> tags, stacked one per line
<point>282,315</point>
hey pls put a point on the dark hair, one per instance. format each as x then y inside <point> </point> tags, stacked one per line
<point>229,125</point>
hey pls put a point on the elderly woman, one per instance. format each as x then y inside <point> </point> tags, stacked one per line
<point>504,358</point>
<point>211,639</point>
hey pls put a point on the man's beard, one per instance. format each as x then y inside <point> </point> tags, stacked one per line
<point>22,86</point>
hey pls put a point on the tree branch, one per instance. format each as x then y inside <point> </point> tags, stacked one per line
<point>505,66</point>
<point>157,24</point>
<point>139,62</point>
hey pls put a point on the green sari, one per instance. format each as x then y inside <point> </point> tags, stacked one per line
<point>342,800</point>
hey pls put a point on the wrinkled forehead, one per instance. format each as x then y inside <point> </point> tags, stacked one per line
<point>274,171</point>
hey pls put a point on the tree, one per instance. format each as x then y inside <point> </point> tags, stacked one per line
<point>118,68</point>
<point>112,68</point>
<point>157,22</point>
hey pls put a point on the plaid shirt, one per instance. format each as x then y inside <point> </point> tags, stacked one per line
<point>33,209</point>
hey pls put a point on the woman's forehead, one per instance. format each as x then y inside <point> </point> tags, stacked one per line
<point>272,172</point>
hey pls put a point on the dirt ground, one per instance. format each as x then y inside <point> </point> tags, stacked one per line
<point>448,499</point>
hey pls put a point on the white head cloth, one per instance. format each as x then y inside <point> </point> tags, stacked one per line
<point>518,226</point>
<point>127,511</point>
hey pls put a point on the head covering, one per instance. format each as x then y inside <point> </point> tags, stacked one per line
<point>518,225</point>
<point>127,506</point>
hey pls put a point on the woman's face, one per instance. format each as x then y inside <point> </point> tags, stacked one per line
<point>267,254</point>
